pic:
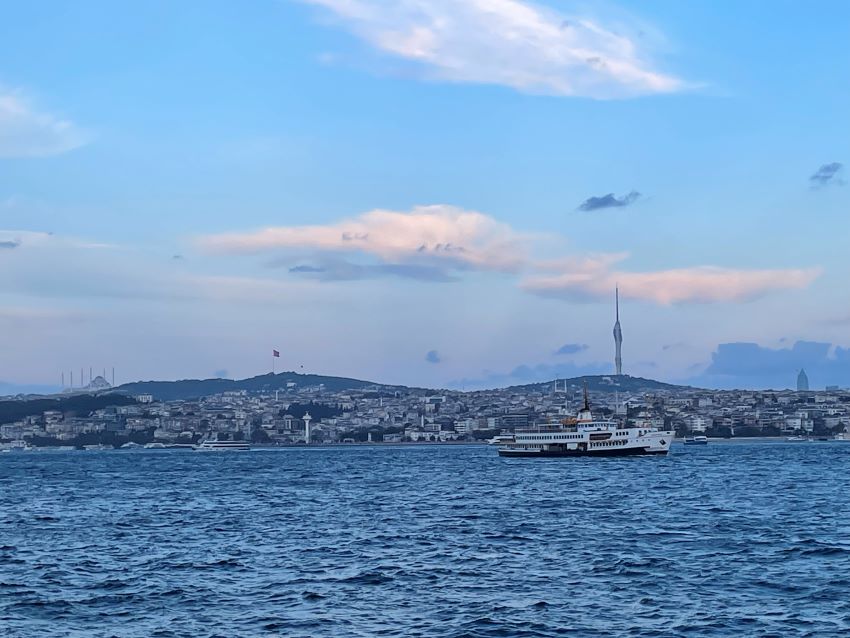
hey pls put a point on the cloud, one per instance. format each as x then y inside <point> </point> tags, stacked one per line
<point>423,243</point>
<point>595,277</point>
<point>28,132</point>
<point>436,243</point>
<point>341,270</point>
<point>609,201</point>
<point>827,174</point>
<point>513,43</point>
<point>432,356</point>
<point>749,365</point>
<point>307,269</point>
<point>571,348</point>
<point>9,244</point>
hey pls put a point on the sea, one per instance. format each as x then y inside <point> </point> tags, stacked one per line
<point>737,539</point>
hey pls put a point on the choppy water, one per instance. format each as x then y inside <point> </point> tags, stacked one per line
<point>727,540</point>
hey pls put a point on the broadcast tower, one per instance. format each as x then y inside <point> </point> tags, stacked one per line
<point>618,334</point>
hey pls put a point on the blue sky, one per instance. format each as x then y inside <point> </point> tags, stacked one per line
<point>424,192</point>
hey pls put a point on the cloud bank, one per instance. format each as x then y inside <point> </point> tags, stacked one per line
<point>513,43</point>
<point>596,276</point>
<point>28,132</point>
<point>436,243</point>
<point>406,244</point>
<point>749,365</point>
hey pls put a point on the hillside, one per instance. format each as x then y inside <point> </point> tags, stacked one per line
<point>604,383</point>
<point>79,404</point>
<point>196,388</point>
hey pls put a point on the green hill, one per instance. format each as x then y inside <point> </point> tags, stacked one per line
<point>604,383</point>
<point>196,388</point>
<point>78,404</point>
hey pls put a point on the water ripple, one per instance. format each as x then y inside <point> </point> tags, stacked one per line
<point>445,542</point>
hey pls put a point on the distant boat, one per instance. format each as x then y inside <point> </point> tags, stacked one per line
<point>214,445</point>
<point>501,439</point>
<point>798,439</point>
<point>19,446</point>
<point>696,440</point>
<point>131,445</point>
<point>154,446</point>
<point>842,437</point>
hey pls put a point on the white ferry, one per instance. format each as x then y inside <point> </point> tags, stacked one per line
<point>584,436</point>
<point>214,445</point>
<point>696,440</point>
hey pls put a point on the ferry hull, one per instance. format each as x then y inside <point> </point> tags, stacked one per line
<point>636,451</point>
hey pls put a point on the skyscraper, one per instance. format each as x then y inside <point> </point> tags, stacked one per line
<point>802,381</point>
<point>618,334</point>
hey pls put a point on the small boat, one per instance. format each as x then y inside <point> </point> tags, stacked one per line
<point>696,440</point>
<point>155,446</point>
<point>215,445</point>
<point>798,439</point>
<point>501,439</point>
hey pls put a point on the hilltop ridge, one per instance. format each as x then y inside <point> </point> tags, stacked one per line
<point>197,388</point>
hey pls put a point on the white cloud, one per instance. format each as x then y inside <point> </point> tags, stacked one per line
<point>443,236</point>
<point>515,43</point>
<point>434,242</point>
<point>28,132</point>
<point>595,277</point>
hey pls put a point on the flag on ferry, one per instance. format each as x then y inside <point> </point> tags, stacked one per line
<point>275,353</point>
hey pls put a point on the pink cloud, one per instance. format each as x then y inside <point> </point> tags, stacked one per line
<point>596,276</point>
<point>427,234</point>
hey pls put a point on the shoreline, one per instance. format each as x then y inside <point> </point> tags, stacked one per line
<point>359,444</point>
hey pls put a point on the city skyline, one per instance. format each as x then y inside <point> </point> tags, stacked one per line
<point>382,196</point>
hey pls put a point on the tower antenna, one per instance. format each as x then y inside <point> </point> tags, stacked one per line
<point>618,334</point>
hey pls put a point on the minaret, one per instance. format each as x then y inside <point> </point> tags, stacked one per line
<point>618,335</point>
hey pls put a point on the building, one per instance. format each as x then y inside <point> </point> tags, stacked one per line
<point>802,381</point>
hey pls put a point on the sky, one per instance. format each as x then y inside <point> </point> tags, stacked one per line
<point>439,193</point>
